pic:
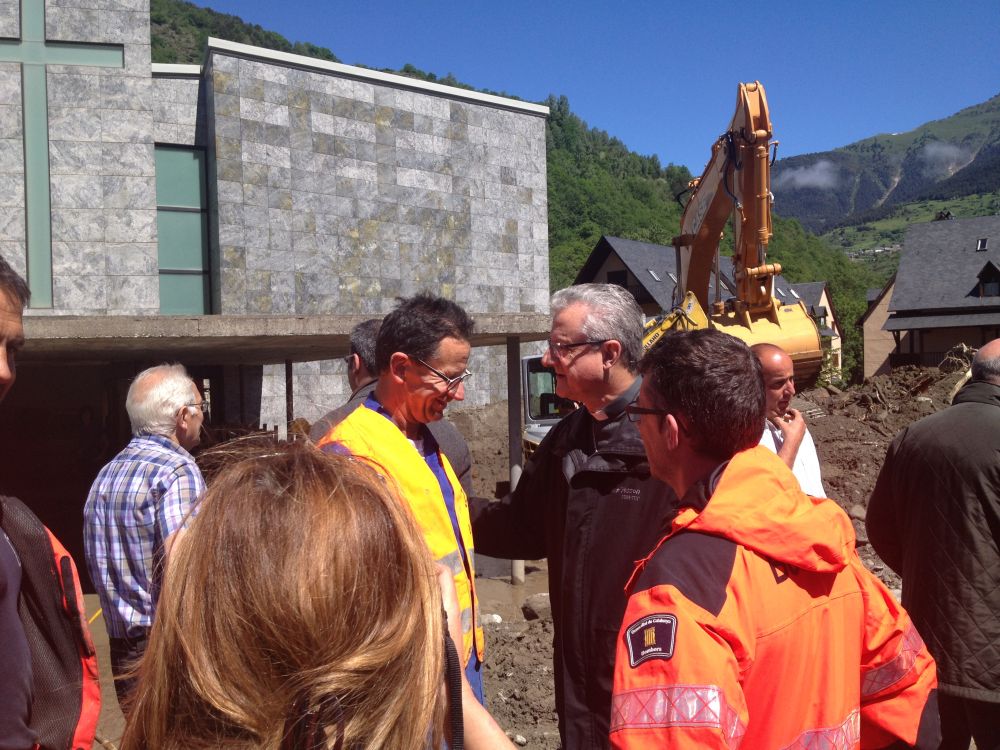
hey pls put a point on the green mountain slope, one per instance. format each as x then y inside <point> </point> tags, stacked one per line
<point>949,158</point>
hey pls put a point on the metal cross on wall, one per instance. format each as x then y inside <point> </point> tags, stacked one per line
<point>34,53</point>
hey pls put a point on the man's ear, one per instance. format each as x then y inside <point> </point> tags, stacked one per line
<point>398,363</point>
<point>353,360</point>
<point>671,431</point>
<point>181,419</point>
<point>611,352</point>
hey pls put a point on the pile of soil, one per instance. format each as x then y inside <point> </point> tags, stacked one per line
<point>851,428</point>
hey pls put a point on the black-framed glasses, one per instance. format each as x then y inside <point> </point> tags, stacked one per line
<point>451,384</point>
<point>635,412</point>
<point>558,349</point>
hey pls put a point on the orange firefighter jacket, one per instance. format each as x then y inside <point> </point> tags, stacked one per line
<point>365,433</point>
<point>754,622</point>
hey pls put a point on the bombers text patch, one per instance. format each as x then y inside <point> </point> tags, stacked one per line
<point>652,637</point>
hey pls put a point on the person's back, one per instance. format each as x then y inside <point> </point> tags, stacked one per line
<point>137,503</point>
<point>934,518</point>
<point>777,610</point>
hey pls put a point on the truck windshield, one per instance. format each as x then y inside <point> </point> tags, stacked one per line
<point>540,387</point>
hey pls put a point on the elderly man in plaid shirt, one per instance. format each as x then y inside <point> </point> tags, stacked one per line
<point>137,503</point>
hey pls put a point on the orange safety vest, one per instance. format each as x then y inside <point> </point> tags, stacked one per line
<point>367,434</point>
<point>754,622</point>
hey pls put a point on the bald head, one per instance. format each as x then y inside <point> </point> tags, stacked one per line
<point>779,378</point>
<point>986,363</point>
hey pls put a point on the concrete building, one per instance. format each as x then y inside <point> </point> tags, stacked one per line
<point>239,217</point>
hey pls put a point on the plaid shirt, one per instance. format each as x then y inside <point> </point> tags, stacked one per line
<point>137,501</point>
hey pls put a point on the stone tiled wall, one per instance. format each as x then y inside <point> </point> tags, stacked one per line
<point>339,195</point>
<point>12,229</point>
<point>10,19</point>
<point>178,110</point>
<point>102,180</point>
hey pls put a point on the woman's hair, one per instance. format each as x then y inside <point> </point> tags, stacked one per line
<point>302,585</point>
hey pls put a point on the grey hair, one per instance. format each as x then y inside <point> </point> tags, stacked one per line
<point>612,313</point>
<point>155,397</point>
<point>987,369</point>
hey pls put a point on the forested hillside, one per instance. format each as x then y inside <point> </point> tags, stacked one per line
<point>596,185</point>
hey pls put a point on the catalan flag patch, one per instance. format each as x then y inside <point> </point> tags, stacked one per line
<point>652,637</point>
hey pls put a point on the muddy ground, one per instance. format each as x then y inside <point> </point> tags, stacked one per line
<point>852,429</point>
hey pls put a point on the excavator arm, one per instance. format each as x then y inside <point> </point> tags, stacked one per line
<point>736,182</point>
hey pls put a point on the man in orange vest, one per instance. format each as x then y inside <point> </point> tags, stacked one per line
<point>422,354</point>
<point>753,620</point>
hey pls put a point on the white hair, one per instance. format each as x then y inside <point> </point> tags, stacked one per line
<point>155,397</point>
<point>612,313</point>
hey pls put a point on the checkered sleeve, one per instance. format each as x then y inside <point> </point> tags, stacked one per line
<point>180,499</point>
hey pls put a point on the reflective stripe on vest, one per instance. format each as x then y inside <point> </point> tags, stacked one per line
<point>844,736</point>
<point>677,706</point>
<point>368,434</point>
<point>888,674</point>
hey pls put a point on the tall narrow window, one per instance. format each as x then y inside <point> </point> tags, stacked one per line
<point>182,228</point>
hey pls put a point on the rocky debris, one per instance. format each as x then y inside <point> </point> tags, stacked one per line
<point>537,607</point>
<point>490,619</point>
<point>520,691</point>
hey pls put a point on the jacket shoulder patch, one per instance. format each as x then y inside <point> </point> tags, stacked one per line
<point>652,637</point>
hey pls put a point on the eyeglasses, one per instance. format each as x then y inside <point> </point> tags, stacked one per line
<point>635,412</point>
<point>451,383</point>
<point>205,407</point>
<point>558,349</point>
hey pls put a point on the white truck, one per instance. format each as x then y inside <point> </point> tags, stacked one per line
<point>541,407</point>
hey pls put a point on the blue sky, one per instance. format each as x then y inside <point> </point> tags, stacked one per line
<point>662,76</point>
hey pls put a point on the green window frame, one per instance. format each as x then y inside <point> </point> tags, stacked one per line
<point>182,230</point>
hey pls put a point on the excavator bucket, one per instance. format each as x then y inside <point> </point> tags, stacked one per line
<point>788,326</point>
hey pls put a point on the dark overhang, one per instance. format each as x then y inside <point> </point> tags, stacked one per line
<point>914,322</point>
<point>226,339</point>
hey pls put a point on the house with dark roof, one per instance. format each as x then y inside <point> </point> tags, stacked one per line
<point>646,269</point>
<point>649,272</point>
<point>947,289</point>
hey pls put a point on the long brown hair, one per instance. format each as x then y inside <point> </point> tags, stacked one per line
<point>301,584</point>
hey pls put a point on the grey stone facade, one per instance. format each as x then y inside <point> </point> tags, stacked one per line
<point>333,190</point>
<point>337,194</point>
<point>102,177</point>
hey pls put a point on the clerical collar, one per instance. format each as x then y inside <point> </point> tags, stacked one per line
<point>616,407</point>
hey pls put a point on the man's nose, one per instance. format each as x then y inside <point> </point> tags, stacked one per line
<point>547,357</point>
<point>458,394</point>
<point>8,370</point>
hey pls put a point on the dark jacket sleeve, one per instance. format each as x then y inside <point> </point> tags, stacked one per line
<point>453,445</point>
<point>882,520</point>
<point>515,527</point>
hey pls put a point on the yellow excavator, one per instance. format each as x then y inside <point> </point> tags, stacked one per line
<point>737,182</point>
